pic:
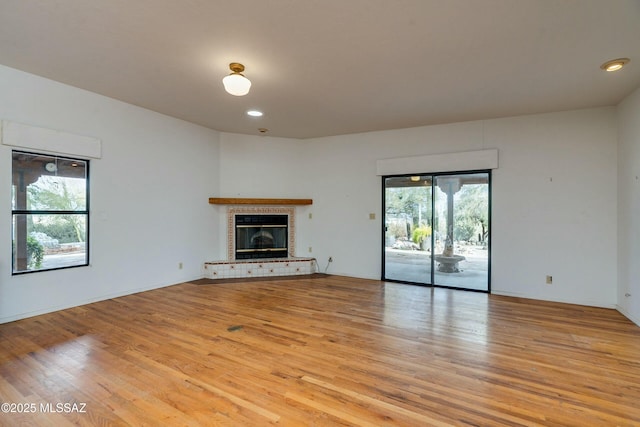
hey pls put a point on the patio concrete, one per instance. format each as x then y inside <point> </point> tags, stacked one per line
<point>415,266</point>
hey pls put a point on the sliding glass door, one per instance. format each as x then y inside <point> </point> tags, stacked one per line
<point>436,230</point>
<point>408,228</point>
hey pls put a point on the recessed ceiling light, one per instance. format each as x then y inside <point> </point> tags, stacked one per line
<point>254,113</point>
<point>615,64</point>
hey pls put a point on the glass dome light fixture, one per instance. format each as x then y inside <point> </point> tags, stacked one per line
<point>235,83</point>
<point>615,64</point>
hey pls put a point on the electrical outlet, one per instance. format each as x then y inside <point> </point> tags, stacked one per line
<point>330,259</point>
<point>179,266</point>
<point>310,249</point>
<point>549,280</point>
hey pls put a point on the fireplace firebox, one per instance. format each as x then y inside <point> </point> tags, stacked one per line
<point>261,236</point>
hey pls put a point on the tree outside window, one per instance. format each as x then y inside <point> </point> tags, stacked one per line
<point>50,212</point>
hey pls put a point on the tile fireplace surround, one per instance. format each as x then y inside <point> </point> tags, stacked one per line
<point>232,268</point>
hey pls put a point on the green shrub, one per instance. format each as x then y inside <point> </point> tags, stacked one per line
<point>420,233</point>
<point>35,253</point>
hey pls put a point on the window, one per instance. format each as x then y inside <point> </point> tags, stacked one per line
<point>50,212</point>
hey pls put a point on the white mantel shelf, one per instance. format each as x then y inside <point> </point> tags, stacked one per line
<point>245,201</point>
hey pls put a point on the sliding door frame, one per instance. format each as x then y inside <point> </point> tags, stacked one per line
<point>433,176</point>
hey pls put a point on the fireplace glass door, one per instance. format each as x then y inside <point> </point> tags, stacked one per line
<point>261,236</point>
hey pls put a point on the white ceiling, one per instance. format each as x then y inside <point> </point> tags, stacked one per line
<point>330,67</point>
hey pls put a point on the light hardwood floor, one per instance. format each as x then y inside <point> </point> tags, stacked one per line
<point>324,351</point>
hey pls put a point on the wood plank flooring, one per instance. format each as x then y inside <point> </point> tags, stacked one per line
<point>331,351</point>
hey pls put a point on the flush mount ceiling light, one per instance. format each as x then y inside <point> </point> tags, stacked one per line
<point>255,113</point>
<point>615,64</point>
<point>235,83</point>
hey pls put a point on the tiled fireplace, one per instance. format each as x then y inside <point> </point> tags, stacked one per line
<point>254,233</point>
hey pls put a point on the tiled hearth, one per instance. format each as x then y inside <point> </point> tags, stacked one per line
<point>259,268</point>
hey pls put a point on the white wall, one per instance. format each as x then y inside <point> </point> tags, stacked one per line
<point>554,196</point>
<point>555,206</point>
<point>149,193</point>
<point>629,206</point>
